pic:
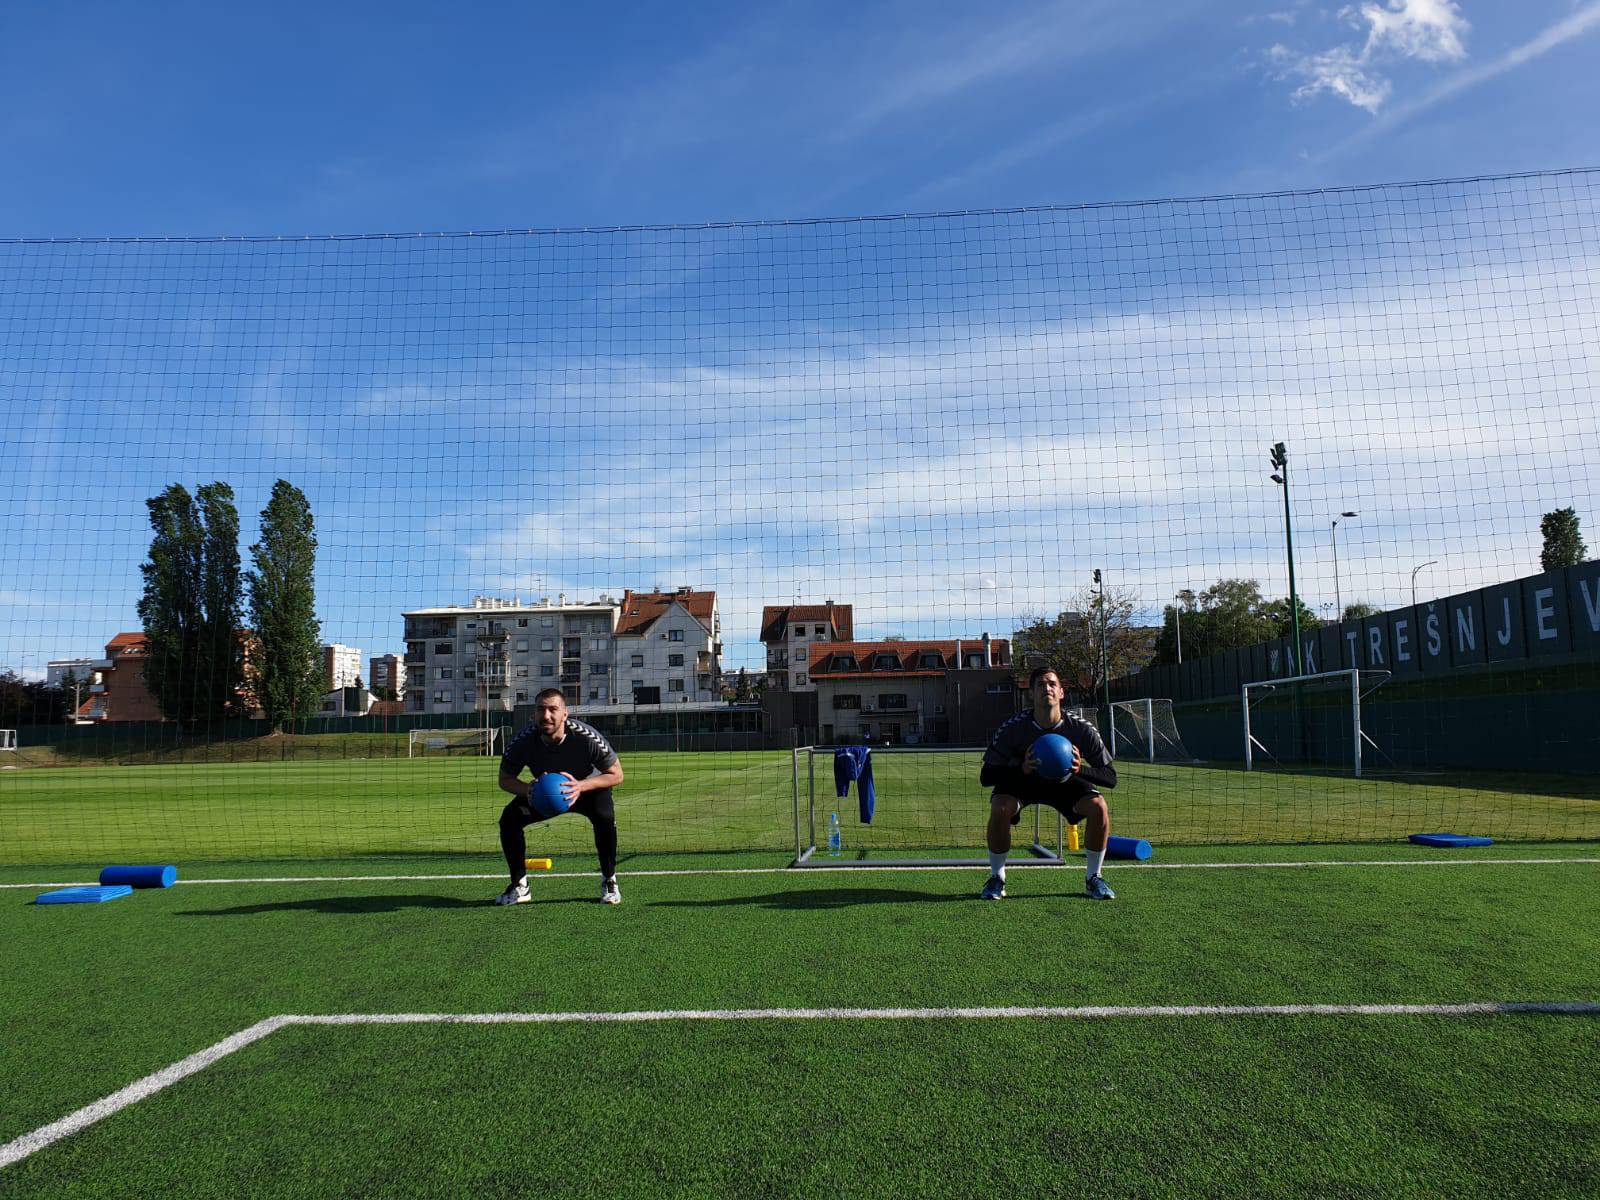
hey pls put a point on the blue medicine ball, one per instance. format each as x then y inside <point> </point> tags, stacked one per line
<point>1053,753</point>
<point>547,797</point>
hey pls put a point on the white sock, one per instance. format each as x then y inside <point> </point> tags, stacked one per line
<point>997,863</point>
<point>1093,859</point>
<point>521,883</point>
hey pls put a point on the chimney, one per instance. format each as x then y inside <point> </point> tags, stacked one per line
<point>988,659</point>
<point>958,654</point>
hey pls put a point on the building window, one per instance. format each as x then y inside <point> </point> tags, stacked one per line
<point>638,660</point>
<point>674,635</point>
<point>599,644</point>
<point>572,695</point>
<point>468,673</point>
<point>597,694</point>
<point>522,697</point>
<point>799,631</point>
<point>674,660</point>
<point>547,671</point>
<point>522,672</point>
<point>522,645</point>
<point>885,662</point>
<point>548,623</point>
<point>469,696</point>
<point>801,655</point>
<point>674,685</point>
<point>844,662</point>
<point>800,679</point>
<point>472,624</point>
<point>929,661</point>
<point>847,700</point>
<point>445,673</point>
<point>599,668</point>
<point>441,698</point>
<point>822,634</point>
<point>547,643</point>
<point>892,700</point>
<point>522,622</point>
<point>443,648</point>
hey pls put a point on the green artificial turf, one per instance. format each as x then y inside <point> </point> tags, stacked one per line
<point>712,802</point>
<point>1162,1107</point>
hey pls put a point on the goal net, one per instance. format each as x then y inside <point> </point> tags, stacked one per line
<point>734,488</point>
<point>445,743</point>
<point>1146,729</point>
<point>8,739</point>
<point>1311,720</point>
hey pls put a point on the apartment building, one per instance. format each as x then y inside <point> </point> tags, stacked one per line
<point>386,675</point>
<point>791,631</point>
<point>495,654</point>
<point>341,667</point>
<point>669,647</point>
<point>118,691</point>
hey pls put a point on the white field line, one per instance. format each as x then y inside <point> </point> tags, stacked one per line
<point>1144,866</point>
<point>46,1135</point>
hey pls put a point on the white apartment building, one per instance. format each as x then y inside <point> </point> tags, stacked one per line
<point>387,672</point>
<point>495,654</point>
<point>669,647</point>
<point>790,631</point>
<point>341,666</point>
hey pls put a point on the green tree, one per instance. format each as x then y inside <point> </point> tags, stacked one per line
<point>1071,641</point>
<point>190,605</point>
<point>283,604</point>
<point>1358,609</point>
<point>170,608</point>
<point>30,702</point>
<point>1563,541</point>
<point>1276,615</point>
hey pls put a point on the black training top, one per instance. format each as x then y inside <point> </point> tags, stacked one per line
<point>1002,761</point>
<point>582,753</point>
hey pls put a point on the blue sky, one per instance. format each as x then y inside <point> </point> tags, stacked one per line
<point>947,421</point>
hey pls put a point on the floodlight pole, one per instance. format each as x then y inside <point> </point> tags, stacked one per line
<point>1338,598</point>
<point>1414,570</point>
<point>1280,460</point>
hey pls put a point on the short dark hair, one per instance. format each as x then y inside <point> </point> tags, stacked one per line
<point>557,693</point>
<point>1038,672</point>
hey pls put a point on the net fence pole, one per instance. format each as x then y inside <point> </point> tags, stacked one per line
<point>1244,698</point>
<point>1355,717</point>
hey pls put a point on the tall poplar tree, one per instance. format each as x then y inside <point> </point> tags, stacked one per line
<point>287,668</point>
<point>170,608</point>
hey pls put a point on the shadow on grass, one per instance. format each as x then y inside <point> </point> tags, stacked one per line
<point>361,905</point>
<point>830,898</point>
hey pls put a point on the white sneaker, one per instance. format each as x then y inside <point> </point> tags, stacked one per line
<point>610,893</point>
<point>517,893</point>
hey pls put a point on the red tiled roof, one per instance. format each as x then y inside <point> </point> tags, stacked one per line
<point>909,653</point>
<point>387,708</point>
<point>640,610</point>
<point>774,617</point>
<point>128,643</point>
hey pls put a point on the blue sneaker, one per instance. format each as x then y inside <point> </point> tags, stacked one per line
<point>995,889</point>
<point>1096,888</point>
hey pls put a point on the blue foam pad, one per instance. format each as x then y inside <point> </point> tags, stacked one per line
<point>142,876</point>
<point>1449,839</point>
<point>83,895</point>
<point>1126,847</point>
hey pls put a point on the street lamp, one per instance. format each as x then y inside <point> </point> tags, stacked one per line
<point>1280,460</point>
<point>1338,600</point>
<point>1430,563</point>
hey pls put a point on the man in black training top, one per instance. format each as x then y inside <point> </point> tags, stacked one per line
<point>559,742</point>
<point>1010,769</point>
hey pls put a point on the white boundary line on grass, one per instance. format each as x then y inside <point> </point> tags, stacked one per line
<point>72,1123</point>
<point>1147,866</point>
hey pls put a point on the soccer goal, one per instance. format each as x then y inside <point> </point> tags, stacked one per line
<point>928,800</point>
<point>1310,719</point>
<point>435,743</point>
<point>1146,729</point>
<point>8,739</point>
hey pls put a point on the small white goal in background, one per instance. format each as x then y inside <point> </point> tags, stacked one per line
<point>8,739</point>
<point>433,743</point>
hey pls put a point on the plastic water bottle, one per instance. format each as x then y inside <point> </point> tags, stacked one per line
<point>835,837</point>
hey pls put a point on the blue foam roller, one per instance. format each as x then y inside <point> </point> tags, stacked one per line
<point>83,895</point>
<point>1126,847</point>
<point>156,876</point>
<point>1449,839</point>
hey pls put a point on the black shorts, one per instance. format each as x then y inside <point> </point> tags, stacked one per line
<point>594,805</point>
<point>1060,796</point>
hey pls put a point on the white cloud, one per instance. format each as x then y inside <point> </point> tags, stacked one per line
<point>1428,31</point>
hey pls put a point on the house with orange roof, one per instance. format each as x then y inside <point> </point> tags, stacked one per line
<point>913,691</point>
<point>669,647</point>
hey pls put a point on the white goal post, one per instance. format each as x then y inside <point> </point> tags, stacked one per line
<point>425,743</point>
<point>1360,684</point>
<point>1148,726</point>
<point>8,739</point>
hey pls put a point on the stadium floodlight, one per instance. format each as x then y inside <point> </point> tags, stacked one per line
<point>1338,599</point>
<point>1280,460</point>
<point>1430,563</point>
